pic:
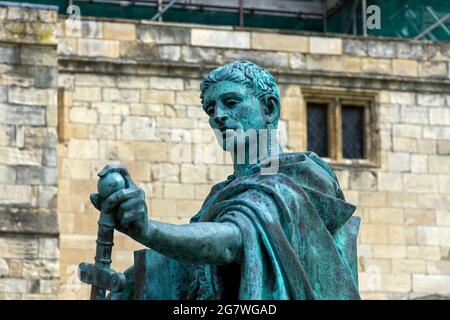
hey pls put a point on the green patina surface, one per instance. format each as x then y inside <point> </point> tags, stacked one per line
<point>278,228</point>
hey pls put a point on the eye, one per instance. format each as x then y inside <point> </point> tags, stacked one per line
<point>231,102</point>
<point>210,110</point>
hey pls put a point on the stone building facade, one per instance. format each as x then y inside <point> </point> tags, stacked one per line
<point>76,97</point>
<point>29,254</point>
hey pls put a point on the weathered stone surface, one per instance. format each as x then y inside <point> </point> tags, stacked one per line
<point>45,77</point>
<point>220,38</point>
<point>4,268</point>
<point>418,115</point>
<point>48,248</point>
<point>67,46</point>
<point>98,48</point>
<point>297,61</point>
<point>47,195</point>
<point>333,63</point>
<point>27,220</point>
<point>104,132</point>
<point>440,116</point>
<point>9,54</point>
<point>89,80</point>
<point>374,234</point>
<point>15,195</point>
<point>162,35</point>
<point>119,31</point>
<point>390,181</point>
<point>168,83</point>
<point>444,147</point>
<point>420,183</point>
<point>20,156</point>
<point>28,82</point>
<point>406,50</point>
<point>169,53</point>
<point>83,149</point>
<point>201,55</point>
<point>269,59</point>
<point>354,47</point>
<point>138,128</point>
<point>158,97</point>
<point>90,94</point>
<point>28,96</point>
<point>433,69</point>
<point>277,42</point>
<point>40,269</point>
<point>31,175</point>
<point>83,115</point>
<point>407,130</point>
<point>431,283</point>
<point>91,29</point>
<point>193,174</point>
<point>111,108</point>
<point>139,51</point>
<point>166,172</point>
<point>389,251</point>
<point>406,68</point>
<point>399,162</point>
<point>419,163</point>
<point>436,132</point>
<point>13,285</point>
<point>376,65</point>
<point>7,174</point>
<point>363,180</point>
<point>37,55</point>
<point>381,49</point>
<point>322,45</point>
<point>399,97</point>
<point>432,100</point>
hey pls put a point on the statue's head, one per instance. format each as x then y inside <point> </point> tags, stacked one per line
<point>240,96</point>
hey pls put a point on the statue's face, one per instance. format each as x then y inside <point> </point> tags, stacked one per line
<point>230,107</point>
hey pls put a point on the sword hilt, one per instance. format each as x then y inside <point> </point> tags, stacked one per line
<point>100,275</point>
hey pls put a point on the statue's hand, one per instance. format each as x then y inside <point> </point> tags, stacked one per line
<point>127,205</point>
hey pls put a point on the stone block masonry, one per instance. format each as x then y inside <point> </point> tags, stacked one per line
<point>129,92</point>
<point>29,241</point>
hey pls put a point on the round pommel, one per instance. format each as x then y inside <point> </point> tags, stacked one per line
<point>110,183</point>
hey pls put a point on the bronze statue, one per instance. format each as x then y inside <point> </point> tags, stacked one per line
<point>278,228</point>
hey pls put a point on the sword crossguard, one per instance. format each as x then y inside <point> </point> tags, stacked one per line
<point>104,278</point>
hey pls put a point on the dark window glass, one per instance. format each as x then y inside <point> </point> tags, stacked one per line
<point>317,128</point>
<point>353,132</point>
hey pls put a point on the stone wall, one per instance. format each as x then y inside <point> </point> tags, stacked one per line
<point>29,264</point>
<point>129,92</point>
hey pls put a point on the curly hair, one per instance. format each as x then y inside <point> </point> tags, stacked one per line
<point>259,80</point>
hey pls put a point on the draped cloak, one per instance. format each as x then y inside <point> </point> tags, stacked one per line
<point>298,240</point>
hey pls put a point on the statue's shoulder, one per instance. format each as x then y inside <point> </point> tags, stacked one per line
<point>309,170</point>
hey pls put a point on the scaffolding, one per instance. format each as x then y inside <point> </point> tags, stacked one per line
<point>415,19</point>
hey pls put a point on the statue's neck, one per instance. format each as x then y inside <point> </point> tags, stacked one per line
<point>243,164</point>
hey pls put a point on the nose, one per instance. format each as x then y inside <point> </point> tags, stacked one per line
<point>220,119</point>
<point>220,116</point>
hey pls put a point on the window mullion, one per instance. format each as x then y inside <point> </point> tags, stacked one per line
<point>367,132</point>
<point>331,126</point>
<point>338,128</point>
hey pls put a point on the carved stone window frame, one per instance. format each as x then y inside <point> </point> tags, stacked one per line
<point>335,99</point>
